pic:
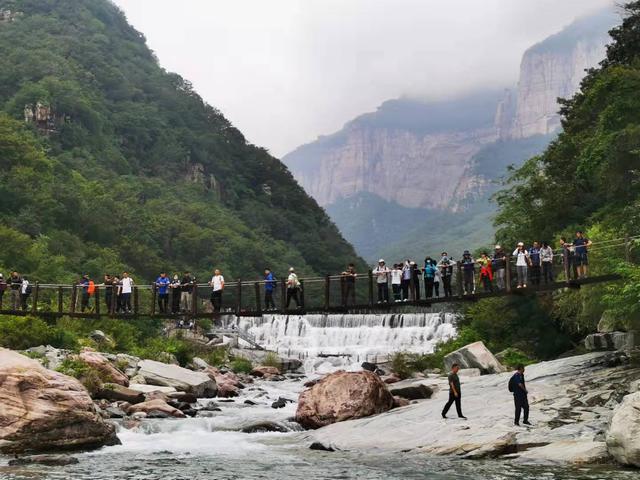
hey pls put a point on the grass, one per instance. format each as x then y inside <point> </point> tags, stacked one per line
<point>241,365</point>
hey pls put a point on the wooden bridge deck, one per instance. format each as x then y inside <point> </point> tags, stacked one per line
<point>370,307</point>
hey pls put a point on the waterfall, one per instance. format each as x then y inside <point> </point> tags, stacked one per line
<point>344,339</point>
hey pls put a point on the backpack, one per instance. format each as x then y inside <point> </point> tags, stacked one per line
<point>512,383</point>
<point>28,290</point>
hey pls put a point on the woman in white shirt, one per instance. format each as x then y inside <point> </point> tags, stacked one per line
<point>396,281</point>
<point>522,264</point>
<point>217,284</point>
<point>125,292</point>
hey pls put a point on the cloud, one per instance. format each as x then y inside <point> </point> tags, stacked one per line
<point>286,71</point>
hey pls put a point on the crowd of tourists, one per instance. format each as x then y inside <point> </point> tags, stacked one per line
<point>175,294</point>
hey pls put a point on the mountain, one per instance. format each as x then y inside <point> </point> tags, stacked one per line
<point>108,162</point>
<point>424,171</point>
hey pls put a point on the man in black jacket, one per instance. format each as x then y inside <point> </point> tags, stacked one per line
<point>454,392</point>
<point>519,389</point>
<point>15,283</point>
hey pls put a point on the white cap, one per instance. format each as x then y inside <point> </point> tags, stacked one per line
<point>521,244</point>
<point>291,269</point>
<point>381,260</point>
<point>498,247</point>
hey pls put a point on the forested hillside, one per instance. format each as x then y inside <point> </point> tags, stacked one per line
<point>108,162</point>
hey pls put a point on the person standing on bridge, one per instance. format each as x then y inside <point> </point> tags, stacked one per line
<point>446,271</point>
<point>486,273</point>
<point>270,283</point>
<point>567,258</point>
<point>162,285</point>
<point>186,298</point>
<point>15,281</point>
<point>581,244</point>
<point>3,288</point>
<point>382,273</point>
<point>468,273</point>
<point>349,285</point>
<point>437,279</point>
<point>127,289</point>
<point>499,266</point>
<point>429,277</point>
<point>217,284</point>
<point>396,282</point>
<point>293,287</point>
<point>519,389</point>
<point>546,259</point>
<point>84,298</point>
<point>25,291</point>
<point>406,280</point>
<point>108,292</point>
<point>176,293</point>
<point>522,264</point>
<point>535,262</point>
<point>454,392</point>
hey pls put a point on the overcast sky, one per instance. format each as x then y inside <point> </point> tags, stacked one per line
<point>286,71</point>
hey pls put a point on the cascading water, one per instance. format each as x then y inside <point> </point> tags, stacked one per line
<point>346,339</point>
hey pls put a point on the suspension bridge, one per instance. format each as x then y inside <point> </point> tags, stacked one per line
<point>317,295</point>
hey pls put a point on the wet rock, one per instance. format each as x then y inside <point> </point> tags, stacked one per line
<point>321,447</point>
<point>210,406</point>
<point>577,452</point>
<point>144,388</point>
<point>281,402</point>
<point>108,373</point>
<point>48,460</point>
<point>609,341</point>
<point>623,436</point>
<point>228,384</point>
<point>389,379</point>
<point>290,365</point>
<point>115,412</point>
<point>262,427</point>
<point>138,380</point>
<point>474,355</point>
<point>400,402</point>
<point>342,396</point>
<point>182,379</point>
<point>183,397</point>
<point>265,372</point>
<point>137,416</point>
<point>368,366</point>
<point>155,407</point>
<point>114,392</point>
<point>416,391</point>
<point>46,410</point>
<point>250,402</point>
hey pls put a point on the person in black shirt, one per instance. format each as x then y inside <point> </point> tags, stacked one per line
<point>349,285</point>
<point>454,392</point>
<point>108,293</point>
<point>186,298</point>
<point>519,389</point>
<point>16,286</point>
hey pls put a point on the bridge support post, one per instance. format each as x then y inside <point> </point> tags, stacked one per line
<point>327,292</point>
<point>36,292</point>
<point>459,279</point>
<point>370,288</point>
<point>60,300</point>
<point>239,297</point>
<point>114,299</point>
<point>194,300</point>
<point>135,301</point>
<point>154,296</point>
<point>256,287</point>
<point>74,298</point>
<point>302,294</point>
<point>96,299</point>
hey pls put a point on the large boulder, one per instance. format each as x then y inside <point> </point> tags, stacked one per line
<point>415,391</point>
<point>343,396</point>
<point>43,410</point>
<point>156,406</point>
<point>228,383</point>
<point>474,355</point>
<point>163,374</point>
<point>118,393</point>
<point>265,372</point>
<point>108,373</point>
<point>609,341</point>
<point>623,436</point>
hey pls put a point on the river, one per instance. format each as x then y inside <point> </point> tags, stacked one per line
<point>214,447</point>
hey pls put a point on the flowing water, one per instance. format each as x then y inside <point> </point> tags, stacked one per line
<point>213,447</point>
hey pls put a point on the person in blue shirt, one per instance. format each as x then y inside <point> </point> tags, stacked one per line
<point>162,284</point>
<point>535,269</point>
<point>581,244</point>
<point>269,287</point>
<point>519,389</point>
<point>429,276</point>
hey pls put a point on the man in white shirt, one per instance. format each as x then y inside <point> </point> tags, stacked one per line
<point>217,283</point>
<point>382,272</point>
<point>125,292</point>
<point>293,287</point>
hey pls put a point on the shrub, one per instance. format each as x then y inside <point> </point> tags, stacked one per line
<point>218,357</point>
<point>20,333</point>
<point>512,357</point>
<point>241,365</point>
<point>271,360</point>
<point>88,376</point>
<point>156,348</point>
<point>405,364</point>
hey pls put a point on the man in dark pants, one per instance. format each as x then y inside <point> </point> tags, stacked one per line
<point>349,285</point>
<point>519,389</point>
<point>454,392</point>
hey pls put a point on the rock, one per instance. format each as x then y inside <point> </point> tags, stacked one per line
<point>400,402</point>
<point>182,379</point>
<point>474,355</point>
<point>249,402</point>
<point>389,379</point>
<point>138,416</point>
<point>151,388</point>
<point>609,323</point>
<point>623,436</point>
<point>577,452</point>
<point>609,341</point>
<point>155,407</point>
<point>132,362</point>
<point>262,427</point>
<point>101,338</point>
<point>469,372</point>
<point>48,460</point>
<point>169,358</point>
<point>342,396</point>
<point>199,364</point>
<point>265,372</point>
<point>115,392</point>
<point>183,397</point>
<point>115,412</point>
<point>281,402</point>
<point>210,407</point>
<point>321,447</point>
<point>46,410</point>
<point>290,365</point>
<point>138,379</point>
<point>416,391</point>
<point>227,383</point>
<point>108,373</point>
<point>368,366</point>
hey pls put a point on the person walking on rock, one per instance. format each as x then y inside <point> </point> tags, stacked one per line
<point>519,389</point>
<point>454,392</point>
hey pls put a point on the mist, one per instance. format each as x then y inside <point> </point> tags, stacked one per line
<point>286,71</point>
